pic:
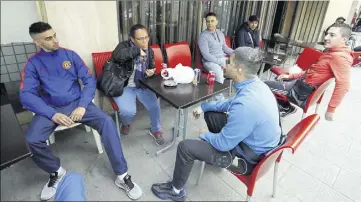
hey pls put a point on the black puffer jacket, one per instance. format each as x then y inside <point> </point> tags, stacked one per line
<point>243,36</point>
<point>124,55</point>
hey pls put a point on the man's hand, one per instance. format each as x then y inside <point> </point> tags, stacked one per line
<point>330,116</point>
<point>283,77</point>
<point>150,72</point>
<point>77,114</point>
<point>62,119</point>
<point>197,112</point>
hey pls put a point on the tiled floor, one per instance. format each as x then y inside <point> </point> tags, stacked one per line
<point>327,167</point>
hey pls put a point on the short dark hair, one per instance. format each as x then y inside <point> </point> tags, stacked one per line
<point>340,18</point>
<point>253,18</point>
<point>38,27</point>
<point>345,29</point>
<point>211,14</point>
<point>134,28</point>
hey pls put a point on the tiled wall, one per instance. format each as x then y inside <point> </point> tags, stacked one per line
<point>13,58</point>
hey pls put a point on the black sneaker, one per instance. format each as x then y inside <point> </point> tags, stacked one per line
<point>290,110</point>
<point>165,191</point>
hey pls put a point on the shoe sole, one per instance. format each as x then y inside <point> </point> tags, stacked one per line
<point>120,186</point>
<point>155,140</point>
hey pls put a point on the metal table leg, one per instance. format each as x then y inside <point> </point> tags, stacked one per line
<point>185,122</point>
<point>175,132</point>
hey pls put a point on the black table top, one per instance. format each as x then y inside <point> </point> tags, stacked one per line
<point>269,59</point>
<point>184,95</point>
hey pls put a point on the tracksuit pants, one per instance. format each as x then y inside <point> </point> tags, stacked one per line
<point>41,128</point>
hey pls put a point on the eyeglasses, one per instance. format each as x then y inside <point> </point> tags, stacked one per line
<point>142,38</point>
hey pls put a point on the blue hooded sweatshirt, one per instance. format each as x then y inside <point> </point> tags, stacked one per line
<point>50,80</point>
<point>253,118</point>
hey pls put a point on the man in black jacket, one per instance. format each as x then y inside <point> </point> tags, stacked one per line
<point>136,56</point>
<point>248,34</point>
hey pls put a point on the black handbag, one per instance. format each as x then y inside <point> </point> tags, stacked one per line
<point>114,79</point>
<point>299,93</point>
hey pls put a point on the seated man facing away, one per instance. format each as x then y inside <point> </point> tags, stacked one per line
<point>213,47</point>
<point>136,56</point>
<point>245,126</point>
<point>51,90</point>
<point>335,62</point>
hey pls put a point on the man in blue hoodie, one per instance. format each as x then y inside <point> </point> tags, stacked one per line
<point>245,126</point>
<point>51,90</point>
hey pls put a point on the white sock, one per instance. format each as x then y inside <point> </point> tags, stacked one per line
<point>121,177</point>
<point>61,171</point>
<point>177,191</point>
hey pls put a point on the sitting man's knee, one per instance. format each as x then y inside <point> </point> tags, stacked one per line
<point>106,118</point>
<point>183,145</point>
<point>127,112</point>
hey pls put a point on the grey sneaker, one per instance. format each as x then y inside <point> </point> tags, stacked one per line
<point>50,187</point>
<point>133,191</point>
<point>158,137</point>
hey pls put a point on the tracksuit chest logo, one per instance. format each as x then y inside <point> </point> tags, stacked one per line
<point>66,64</point>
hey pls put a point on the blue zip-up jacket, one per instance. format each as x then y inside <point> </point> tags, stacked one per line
<point>50,80</point>
<point>252,118</point>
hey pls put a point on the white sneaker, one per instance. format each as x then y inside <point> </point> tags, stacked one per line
<point>133,191</point>
<point>49,189</point>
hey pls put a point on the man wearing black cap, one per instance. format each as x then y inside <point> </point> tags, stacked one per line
<point>248,34</point>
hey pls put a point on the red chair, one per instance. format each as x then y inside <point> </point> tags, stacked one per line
<point>178,53</point>
<point>99,60</point>
<point>228,41</point>
<point>158,57</point>
<point>294,139</point>
<point>315,97</point>
<point>304,61</point>
<point>356,58</point>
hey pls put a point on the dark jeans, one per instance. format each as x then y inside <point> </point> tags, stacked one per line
<point>281,87</point>
<point>190,150</point>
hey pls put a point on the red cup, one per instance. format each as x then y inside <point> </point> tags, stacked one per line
<point>211,77</point>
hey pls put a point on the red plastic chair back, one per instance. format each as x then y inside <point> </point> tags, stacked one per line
<point>356,59</point>
<point>317,95</point>
<point>228,41</point>
<point>178,53</point>
<point>158,57</point>
<point>99,60</point>
<point>294,139</point>
<point>307,58</point>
